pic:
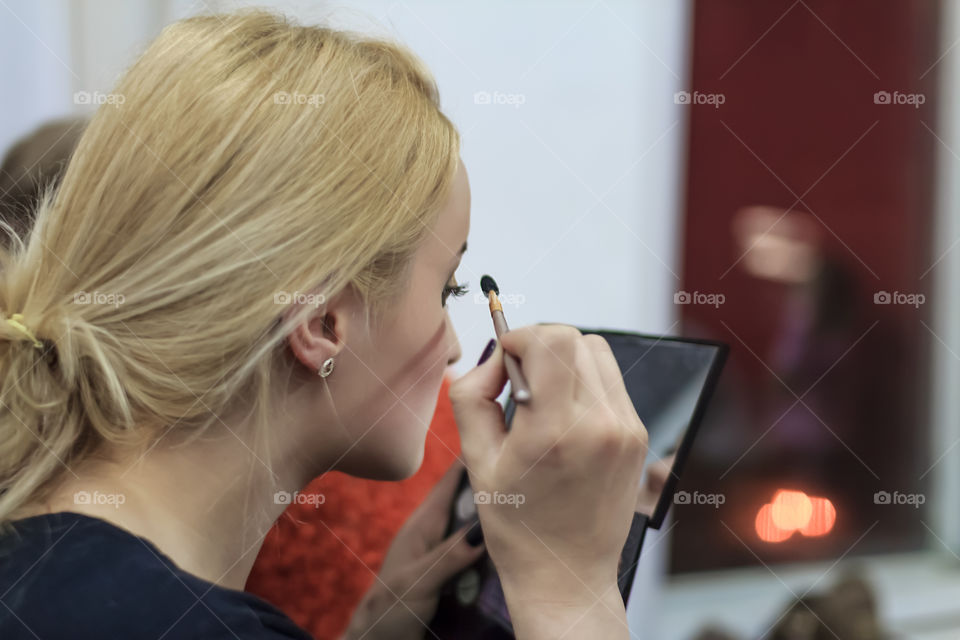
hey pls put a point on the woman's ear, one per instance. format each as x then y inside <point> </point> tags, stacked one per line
<point>321,335</point>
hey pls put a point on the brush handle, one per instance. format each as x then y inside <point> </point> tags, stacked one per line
<point>519,388</point>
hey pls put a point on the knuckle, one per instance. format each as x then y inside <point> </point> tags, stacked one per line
<point>604,430</point>
<point>609,442</point>
<point>559,451</point>
<point>602,417</point>
<point>637,442</point>
<point>569,332</point>
<point>560,339</point>
<point>597,343</point>
<point>557,332</point>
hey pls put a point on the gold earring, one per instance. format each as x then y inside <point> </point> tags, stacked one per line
<point>326,369</point>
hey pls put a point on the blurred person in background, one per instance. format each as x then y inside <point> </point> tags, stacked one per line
<point>32,164</point>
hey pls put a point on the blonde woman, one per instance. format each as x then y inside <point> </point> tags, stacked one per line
<point>240,285</point>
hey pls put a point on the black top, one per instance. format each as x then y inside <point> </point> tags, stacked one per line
<point>71,576</point>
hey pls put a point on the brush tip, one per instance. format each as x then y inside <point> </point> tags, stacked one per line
<point>487,284</point>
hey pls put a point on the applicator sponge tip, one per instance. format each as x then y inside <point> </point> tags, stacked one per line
<point>487,284</point>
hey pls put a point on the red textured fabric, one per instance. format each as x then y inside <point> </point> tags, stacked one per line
<point>317,562</point>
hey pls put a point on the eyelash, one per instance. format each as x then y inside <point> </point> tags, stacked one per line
<point>456,292</point>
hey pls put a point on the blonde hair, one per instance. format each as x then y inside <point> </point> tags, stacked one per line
<point>241,159</point>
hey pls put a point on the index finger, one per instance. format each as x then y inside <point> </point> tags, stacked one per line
<point>547,355</point>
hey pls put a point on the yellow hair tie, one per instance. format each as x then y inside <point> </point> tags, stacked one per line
<point>15,322</point>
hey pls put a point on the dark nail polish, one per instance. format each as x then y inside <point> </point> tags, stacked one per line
<point>487,351</point>
<point>475,535</point>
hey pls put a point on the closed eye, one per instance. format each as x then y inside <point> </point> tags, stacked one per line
<point>455,291</point>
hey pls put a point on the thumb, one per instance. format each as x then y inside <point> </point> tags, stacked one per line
<point>479,416</point>
<point>446,560</point>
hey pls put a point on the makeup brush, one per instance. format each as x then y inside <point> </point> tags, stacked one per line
<point>518,384</point>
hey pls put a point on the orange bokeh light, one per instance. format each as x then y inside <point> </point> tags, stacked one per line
<point>821,519</point>
<point>767,528</point>
<point>791,511</point>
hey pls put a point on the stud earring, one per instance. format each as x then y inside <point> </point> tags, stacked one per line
<point>326,368</point>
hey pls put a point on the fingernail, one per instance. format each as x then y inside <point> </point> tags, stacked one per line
<point>475,535</point>
<point>487,351</point>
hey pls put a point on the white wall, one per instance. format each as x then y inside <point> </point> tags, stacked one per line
<point>36,75</point>
<point>55,48</point>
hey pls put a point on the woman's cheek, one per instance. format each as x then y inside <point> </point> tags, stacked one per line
<point>431,372</point>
